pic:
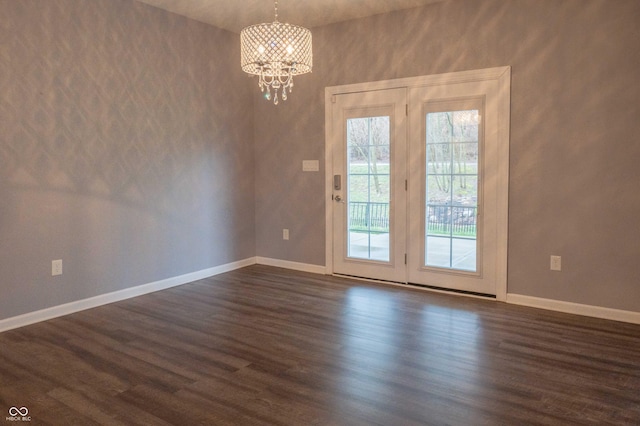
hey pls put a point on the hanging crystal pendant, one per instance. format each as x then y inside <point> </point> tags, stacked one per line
<point>275,53</point>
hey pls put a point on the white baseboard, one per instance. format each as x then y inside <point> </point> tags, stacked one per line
<point>575,308</point>
<point>287,264</point>
<point>116,296</point>
<point>92,302</point>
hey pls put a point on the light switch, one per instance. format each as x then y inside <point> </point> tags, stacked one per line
<point>310,166</point>
<point>56,267</point>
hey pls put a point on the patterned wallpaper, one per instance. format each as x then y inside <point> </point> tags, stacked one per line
<point>126,149</point>
<point>106,97</point>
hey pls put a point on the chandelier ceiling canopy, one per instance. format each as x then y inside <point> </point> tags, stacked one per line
<point>276,52</point>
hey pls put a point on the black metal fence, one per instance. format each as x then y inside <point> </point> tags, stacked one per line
<point>442,219</point>
<point>451,220</point>
<point>372,217</point>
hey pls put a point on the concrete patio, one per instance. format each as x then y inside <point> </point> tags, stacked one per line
<point>440,250</point>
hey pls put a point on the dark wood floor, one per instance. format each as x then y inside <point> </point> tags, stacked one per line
<point>267,346</point>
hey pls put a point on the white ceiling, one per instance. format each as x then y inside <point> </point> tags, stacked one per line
<point>234,15</point>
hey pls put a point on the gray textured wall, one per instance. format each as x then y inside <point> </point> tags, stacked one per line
<point>126,149</point>
<point>575,129</point>
<point>127,141</point>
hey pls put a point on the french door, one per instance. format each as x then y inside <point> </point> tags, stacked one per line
<point>369,197</point>
<point>417,181</point>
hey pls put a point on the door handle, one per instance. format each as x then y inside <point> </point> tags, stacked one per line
<point>338,199</point>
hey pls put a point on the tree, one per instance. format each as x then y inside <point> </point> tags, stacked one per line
<point>449,137</point>
<point>370,138</point>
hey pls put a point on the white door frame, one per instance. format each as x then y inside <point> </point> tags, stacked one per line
<point>503,77</point>
<point>391,104</point>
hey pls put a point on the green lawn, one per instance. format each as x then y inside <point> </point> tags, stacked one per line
<point>362,188</point>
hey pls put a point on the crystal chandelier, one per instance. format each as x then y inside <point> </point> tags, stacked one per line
<point>275,53</point>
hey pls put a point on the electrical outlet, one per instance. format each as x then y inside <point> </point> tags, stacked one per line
<point>285,234</point>
<point>556,263</point>
<point>56,267</point>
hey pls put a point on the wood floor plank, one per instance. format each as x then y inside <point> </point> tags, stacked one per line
<point>268,346</point>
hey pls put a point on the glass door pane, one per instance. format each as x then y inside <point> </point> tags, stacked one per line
<point>369,187</point>
<point>452,189</point>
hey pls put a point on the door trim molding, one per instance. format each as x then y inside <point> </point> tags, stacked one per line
<point>500,74</point>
